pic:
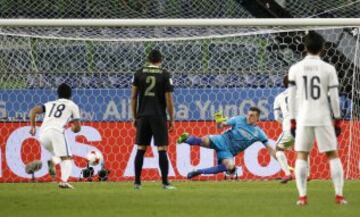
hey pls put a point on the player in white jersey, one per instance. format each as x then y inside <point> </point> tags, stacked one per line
<point>285,140</point>
<point>313,92</point>
<point>57,115</point>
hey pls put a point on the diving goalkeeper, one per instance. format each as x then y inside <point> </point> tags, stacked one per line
<point>242,133</point>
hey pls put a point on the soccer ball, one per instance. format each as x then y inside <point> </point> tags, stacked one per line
<point>94,158</point>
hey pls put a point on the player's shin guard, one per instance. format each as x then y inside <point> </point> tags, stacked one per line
<point>66,168</point>
<point>280,155</point>
<point>164,167</point>
<point>138,164</point>
<point>213,170</point>
<point>337,175</point>
<point>301,168</point>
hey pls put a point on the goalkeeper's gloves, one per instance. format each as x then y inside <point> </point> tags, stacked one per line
<point>219,117</point>
<point>293,127</point>
<point>337,127</point>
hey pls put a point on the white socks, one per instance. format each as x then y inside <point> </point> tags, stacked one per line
<point>280,155</point>
<point>301,172</point>
<point>337,175</point>
<point>66,168</point>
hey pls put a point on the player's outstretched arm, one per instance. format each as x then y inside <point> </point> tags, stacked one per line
<point>33,113</point>
<point>170,110</point>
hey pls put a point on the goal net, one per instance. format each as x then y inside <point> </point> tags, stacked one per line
<point>213,68</point>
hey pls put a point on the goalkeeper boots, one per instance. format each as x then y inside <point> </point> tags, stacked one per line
<point>182,138</point>
<point>340,200</point>
<point>193,174</point>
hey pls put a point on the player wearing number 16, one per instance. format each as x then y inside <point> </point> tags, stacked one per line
<point>313,101</point>
<point>151,96</point>
<point>57,115</point>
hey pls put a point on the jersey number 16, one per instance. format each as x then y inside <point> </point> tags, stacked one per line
<point>314,87</point>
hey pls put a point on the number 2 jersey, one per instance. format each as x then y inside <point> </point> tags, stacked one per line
<point>152,83</point>
<point>313,88</point>
<point>58,113</point>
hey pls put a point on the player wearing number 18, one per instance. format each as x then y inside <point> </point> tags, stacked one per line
<point>313,95</point>
<point>151,95</point>
<point>57,115</point>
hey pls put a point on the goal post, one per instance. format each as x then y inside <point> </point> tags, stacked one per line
<point>189,22</point>
<point>216,64</point>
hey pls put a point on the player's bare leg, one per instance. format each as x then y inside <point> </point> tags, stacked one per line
<point>164,168</point>
<point>301,171</point>
<point>337,176</point>
<point>66,168</point>
<point>138,164</point>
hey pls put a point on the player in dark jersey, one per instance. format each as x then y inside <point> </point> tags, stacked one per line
<point>151,96</point>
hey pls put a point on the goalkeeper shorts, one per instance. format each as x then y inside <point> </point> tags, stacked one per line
<point>218,143</point>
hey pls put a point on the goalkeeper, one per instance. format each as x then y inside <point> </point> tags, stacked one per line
<point>242,133</point>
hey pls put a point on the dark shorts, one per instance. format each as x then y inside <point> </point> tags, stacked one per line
<point>149,126</point>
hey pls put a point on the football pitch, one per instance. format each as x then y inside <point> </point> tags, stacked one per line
<point>198,198</point>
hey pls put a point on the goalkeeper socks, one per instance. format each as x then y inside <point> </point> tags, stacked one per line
<point>301,172</point>
<point>164,167</point>
<point>213,170</point>
<point>280,155</point>
<point>337,175</point>
<point>66,168</point>
<point>138,164</point>
<point>193,140</point>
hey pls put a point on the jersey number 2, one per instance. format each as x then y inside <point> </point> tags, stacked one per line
<point>58,112</point>
<point>152,81</point>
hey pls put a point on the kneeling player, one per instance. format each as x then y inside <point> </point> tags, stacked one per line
<point>52,137</point>
<point>242,134</point>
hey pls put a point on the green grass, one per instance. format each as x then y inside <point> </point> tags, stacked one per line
<point>235,198</point>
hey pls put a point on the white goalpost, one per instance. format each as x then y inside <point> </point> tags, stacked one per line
<point>190,22</point>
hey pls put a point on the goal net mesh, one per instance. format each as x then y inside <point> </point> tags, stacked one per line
<point>213,68</point>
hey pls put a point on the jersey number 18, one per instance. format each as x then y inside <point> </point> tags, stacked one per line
<point>58,112</point>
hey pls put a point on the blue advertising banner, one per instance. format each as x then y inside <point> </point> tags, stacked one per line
<point>114,104</point>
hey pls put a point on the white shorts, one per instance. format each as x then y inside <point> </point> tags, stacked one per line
<point>324,135</point>
<point>55,143</point>
<point>285,140</point>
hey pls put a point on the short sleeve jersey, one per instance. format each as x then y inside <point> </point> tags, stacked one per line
<point>312,78</point>
<point>58,113</point>
<point>152,83</point>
